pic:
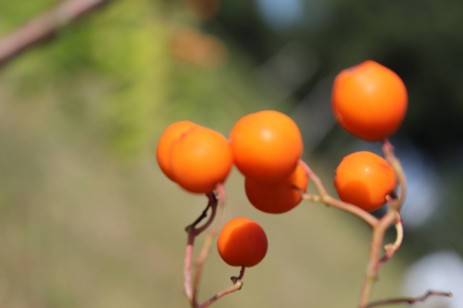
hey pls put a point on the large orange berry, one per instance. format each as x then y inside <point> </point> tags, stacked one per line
<point>369,100</point>
<point>242,242</point>
<point>266,145</point>
<point>279,197</point>
<point>364,179</point>
<point>195,157</point>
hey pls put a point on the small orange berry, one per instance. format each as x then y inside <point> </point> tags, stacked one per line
<point>369,100</point>
<point>266,145</point>
<point>195,157</point>
<point>242,242</point>
<point>279,197</point>
<point>364,179</point>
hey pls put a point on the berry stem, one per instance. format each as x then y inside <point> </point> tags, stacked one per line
<point>352,209</point>
<point>219,198</point>
<point>315,179</point>
<point>324,197</point>
<point>391,249</point>
<point>388,151</point>
<point>391,217</point>
<point>200,261</point>
<point>408,300</point>
<point>237,285</point>
<point>187,267</point>
<point>191,286</point>
<point>234,279</point>
<point>374,260</point>
<point>379,226</point>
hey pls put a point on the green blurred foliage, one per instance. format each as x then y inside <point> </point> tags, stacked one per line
<point>115,71</point>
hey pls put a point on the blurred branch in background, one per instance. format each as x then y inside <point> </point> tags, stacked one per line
<point>44,27</point>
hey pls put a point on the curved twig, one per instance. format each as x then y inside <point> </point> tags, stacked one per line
<point>408,300</point>
<point>44,27</point>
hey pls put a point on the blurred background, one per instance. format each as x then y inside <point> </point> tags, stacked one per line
<point>88,220</point>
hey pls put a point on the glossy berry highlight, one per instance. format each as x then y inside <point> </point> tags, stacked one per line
<point>369,100</point>
<point>365,180</point>
<point>242,242</point>
<point>266,145</point>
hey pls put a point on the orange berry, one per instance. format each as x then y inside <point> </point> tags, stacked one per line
<point>195,157</point>
<point>266,145</point>
<point>364,179</point>
<point>242,242</point>
<point>278,197</point>
<point>369,100</point>
<point>169,137</point>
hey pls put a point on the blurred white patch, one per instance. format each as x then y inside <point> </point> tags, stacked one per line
<point>440,271</point>
<point>424,186</point>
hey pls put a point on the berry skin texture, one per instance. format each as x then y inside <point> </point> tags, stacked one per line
<point>364,179</point>
<point>242,242</point>
<point>266,145</point>
<point>369,100</point>
<point>280,197</point>
<point>195,157</point>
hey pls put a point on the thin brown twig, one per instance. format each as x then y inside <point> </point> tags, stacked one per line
<point>379,226</point>
<point>219,200</point>
<point>325,198</point>
<point>200,261</point>
<point>237,285</point>
<point>374,261</point>
<point>44,27</point>
<point>216,200</point>
<point>391,249</point>
<point>388,151</point>
<point>187,267</point>
<point>193,231</point>
<point>234,279</point>
<point>408,300</point>
<point>391,217</point>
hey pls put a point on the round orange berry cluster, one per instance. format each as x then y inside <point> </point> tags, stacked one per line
<point>265,146</point>
<point>368,100</point>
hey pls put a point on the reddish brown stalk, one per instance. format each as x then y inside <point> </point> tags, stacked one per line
<point>193,231</point>
<point>388,151</point>
<point>191,285</point>
<point>219,198</point>
<point>374,261</point>
<point>391,217</point>
<point>391,249</point>
<point>324,197</point>
<point>379,226</point>
<point>408,300</point>
<point>44,27</point>
<point>237,285</point>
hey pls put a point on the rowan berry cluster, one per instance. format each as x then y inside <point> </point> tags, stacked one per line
<point>368,100</point>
